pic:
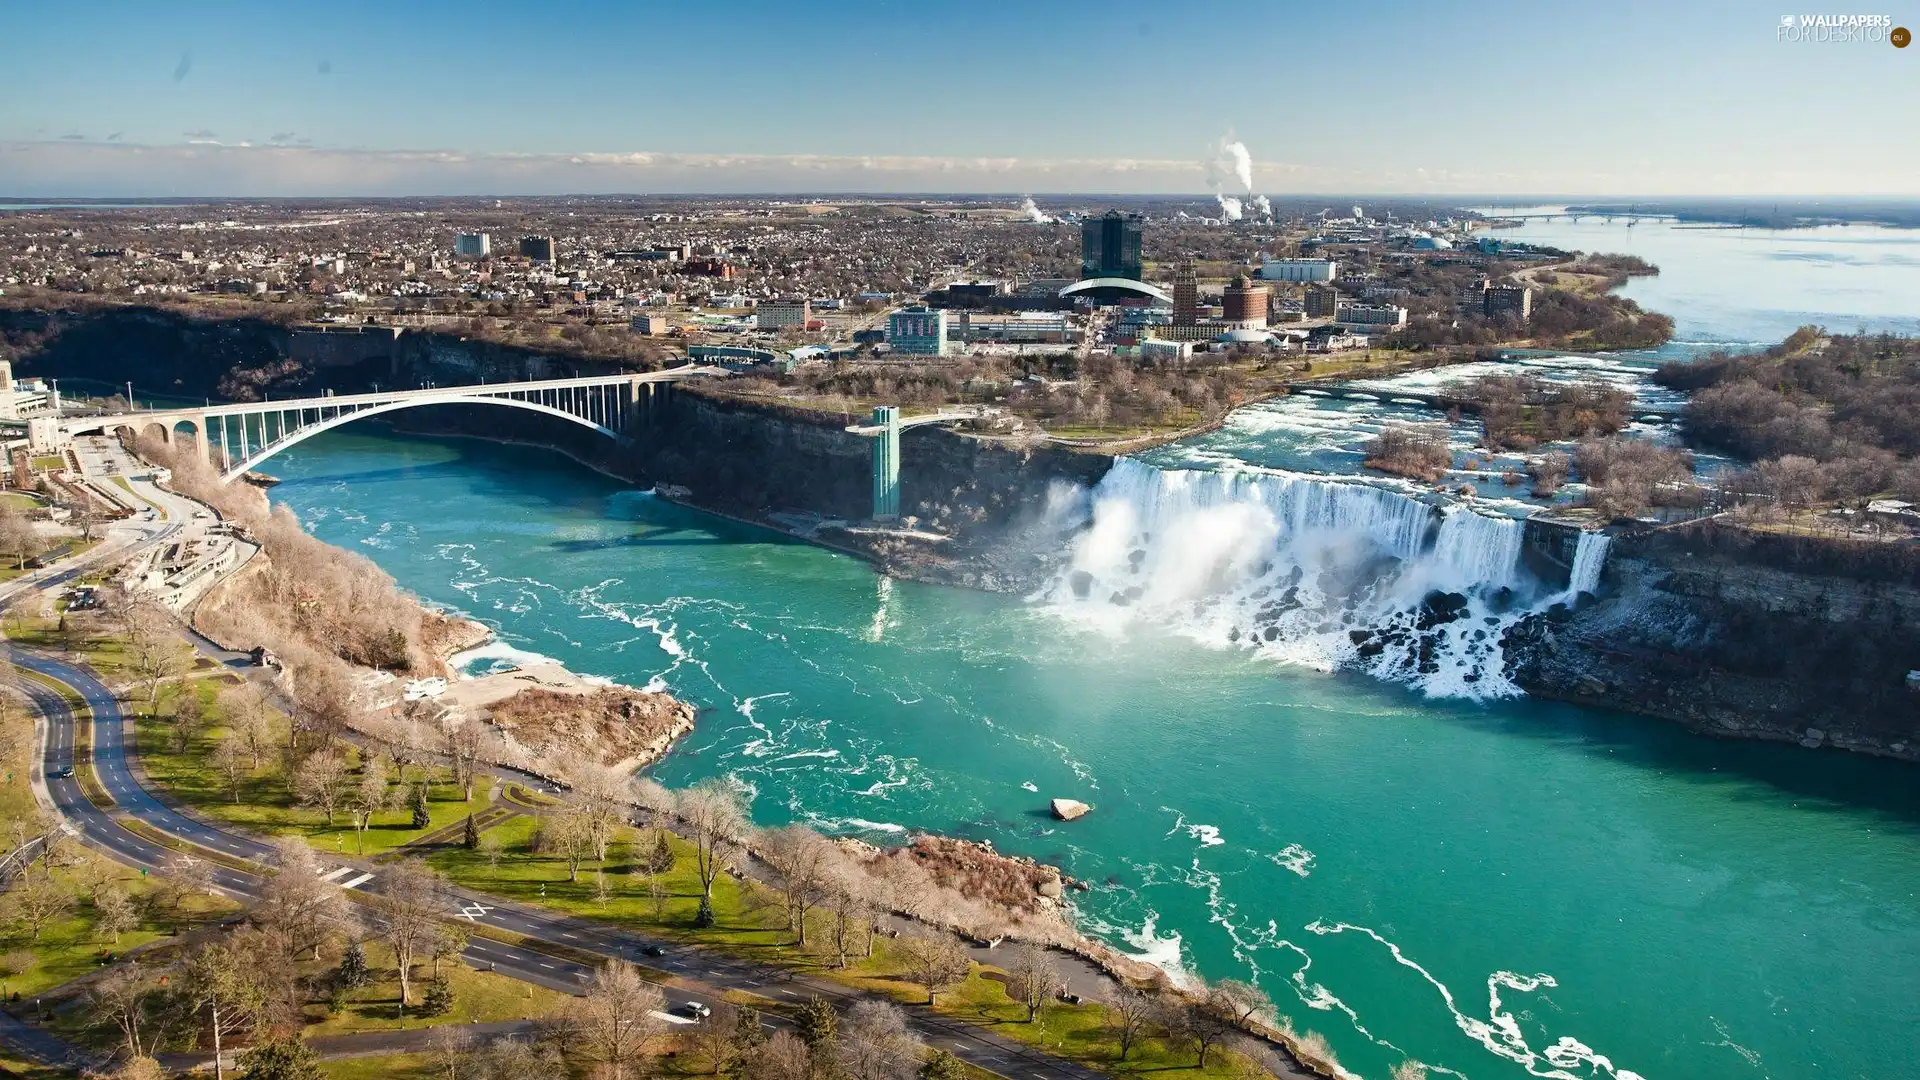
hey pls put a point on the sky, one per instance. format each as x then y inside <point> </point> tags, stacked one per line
<point>417,97</point>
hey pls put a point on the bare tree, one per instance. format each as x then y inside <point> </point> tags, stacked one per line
<point>934,961</point>
<point>783,1057</point>
<point>599,796</point>
<point>318,781</point>
<point>1130,1017</point>
<point>183,876</point>
<point>369,796</point>
<point>461,742</point>
<point>804,860</point>
<point>569,834</point>
<point>299,904</point>
<point>230,756</point>
<point>876,1044</point>
<point>35,902</point>
<point>1032,980</point>
<point>114,912</point>
<point>249,715</point>
<point>715,820</point>
<point>125,1000</point>
<point>412,904</point>
<point>1224,1011</point>
<point>610,1025</point>
<point>216,985</point>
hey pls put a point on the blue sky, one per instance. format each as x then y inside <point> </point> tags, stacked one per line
<point>980,95</point>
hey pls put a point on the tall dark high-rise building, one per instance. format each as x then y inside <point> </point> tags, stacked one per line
<point>1186,295</point>
<point>1110,246</point>
<point>537,248</point>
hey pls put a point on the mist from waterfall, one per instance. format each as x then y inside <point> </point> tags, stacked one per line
<point>1311,570</point>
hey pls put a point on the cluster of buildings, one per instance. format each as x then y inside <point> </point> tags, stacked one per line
<point>761,276</point>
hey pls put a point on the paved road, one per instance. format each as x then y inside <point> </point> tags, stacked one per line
<point>703,975</point>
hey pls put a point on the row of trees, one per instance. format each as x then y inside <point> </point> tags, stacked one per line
<point>249,984</point>
<point>1823,418</point>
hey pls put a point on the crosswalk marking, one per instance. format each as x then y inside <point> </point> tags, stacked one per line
<point>355,883</point>
<point>472,912</point>
<point>336,873</point>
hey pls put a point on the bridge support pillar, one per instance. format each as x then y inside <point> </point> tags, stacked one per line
<point>886,464</point>
<point>200,436</point>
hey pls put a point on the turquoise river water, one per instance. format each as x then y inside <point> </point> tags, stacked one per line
<point>1495,886</point>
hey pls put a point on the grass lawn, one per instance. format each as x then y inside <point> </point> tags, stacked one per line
<point>19,500</point>
<point>265,805</point>
<point>382,1067</point>
<point>752,923</point>
<point>49,463</point>
<point>69,948</point>
<point>478,997</point>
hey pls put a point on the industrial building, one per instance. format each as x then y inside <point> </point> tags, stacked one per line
<point>650,324</point>
<point>1156,350</point>
<point>1299,270</point>
<point>918,331</point>
<point>472,245</point>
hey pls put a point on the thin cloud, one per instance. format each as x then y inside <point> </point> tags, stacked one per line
<point>280,137</point>
<point>74,138</point>
<point>185,65</point>
<point>199,134</point>
<point>209,168</point>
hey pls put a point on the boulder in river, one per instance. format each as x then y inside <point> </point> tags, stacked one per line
<point>1069,809</point>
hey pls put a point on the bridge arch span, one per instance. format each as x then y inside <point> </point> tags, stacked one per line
<point>307,431</point>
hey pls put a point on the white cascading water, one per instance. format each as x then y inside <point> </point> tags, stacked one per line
<point>1311,570</point>
<point>1589,558</point>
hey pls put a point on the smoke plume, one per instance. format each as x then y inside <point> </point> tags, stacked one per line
<point>1231,162</point>
<point>1034,213</point>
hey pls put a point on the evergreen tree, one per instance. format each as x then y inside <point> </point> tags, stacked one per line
<point>281,1059</point>
<point>819,1024</point>
<point>943,1066</point>
<point>470,839</point>
<point>353,971</point>
<point>439,998</point>
<point>748,1035</point>
<point>660,860</point>
<point>421,817</point>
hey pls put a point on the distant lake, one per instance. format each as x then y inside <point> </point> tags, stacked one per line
<point>1729,286</point>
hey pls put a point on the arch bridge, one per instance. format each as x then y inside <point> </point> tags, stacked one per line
<point>250,433</point>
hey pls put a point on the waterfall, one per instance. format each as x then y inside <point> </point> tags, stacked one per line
<point>1589,558</point>
<point>1304,569</point>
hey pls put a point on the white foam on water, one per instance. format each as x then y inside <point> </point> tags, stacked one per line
<point>1500,1032</point>
<point>1151,947</point>
<point>498,656</point>
<point>1208,835</point>
<point>1306,570</point>
<point>1295,858</point>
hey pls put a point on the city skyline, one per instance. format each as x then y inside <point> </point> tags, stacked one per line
<point>1126,98</point>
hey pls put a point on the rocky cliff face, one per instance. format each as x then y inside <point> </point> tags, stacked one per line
<point>1748,645</point>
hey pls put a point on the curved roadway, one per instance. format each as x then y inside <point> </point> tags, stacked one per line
<point>704,975</point>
